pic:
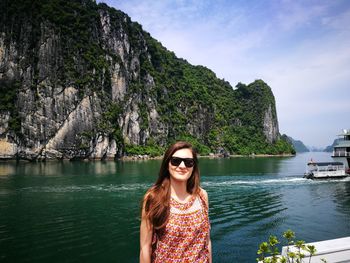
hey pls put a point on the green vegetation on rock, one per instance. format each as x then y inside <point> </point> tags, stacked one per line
<point>142,95</point>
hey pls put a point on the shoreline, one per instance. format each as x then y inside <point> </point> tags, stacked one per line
<point>213,156</point>
<point>147,157</point>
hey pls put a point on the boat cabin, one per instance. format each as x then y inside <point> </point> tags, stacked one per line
<point>341,151</point>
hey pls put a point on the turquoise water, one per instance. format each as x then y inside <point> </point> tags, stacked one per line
<point>89,211</point>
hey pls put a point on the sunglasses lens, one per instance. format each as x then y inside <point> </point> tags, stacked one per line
<point>189,163</point>
<point>176,161</point>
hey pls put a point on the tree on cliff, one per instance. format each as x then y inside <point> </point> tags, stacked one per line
<point>87,82</point>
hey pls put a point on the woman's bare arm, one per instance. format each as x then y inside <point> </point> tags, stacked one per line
<point>146,234</point>
<point>206,199</point>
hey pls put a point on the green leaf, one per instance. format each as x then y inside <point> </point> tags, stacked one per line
<point>289,235</point>
<point>273,241</point>
<point>263,248</point>
<point>311,249</point>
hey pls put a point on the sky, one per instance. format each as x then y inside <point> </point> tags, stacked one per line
<point>300,48</point>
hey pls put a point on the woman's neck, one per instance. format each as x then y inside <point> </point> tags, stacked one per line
<point>179,190</point>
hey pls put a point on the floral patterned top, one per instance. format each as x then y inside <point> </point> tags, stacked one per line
<point>185,237</point>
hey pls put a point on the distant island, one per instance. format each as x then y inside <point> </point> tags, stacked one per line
<point>80,80</point>
<point>331,147</point>
<point>299,146</point>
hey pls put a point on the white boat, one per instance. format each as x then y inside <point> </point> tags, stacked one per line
<point>337,169</point>
<point>325,170</point>
<point>341,151</point>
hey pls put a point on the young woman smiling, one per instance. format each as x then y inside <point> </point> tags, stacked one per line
<point>174,222</point>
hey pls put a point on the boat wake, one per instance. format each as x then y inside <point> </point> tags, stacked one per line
<point>283,181</point>
<point>232,181</point>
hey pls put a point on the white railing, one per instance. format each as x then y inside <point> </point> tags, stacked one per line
<point>323,173</point>
<point>341,154</point>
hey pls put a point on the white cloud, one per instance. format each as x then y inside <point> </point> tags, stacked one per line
<point>338,22</point>
<point>292,15</point>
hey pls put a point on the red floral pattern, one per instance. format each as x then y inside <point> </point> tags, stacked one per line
<point>185,237</point>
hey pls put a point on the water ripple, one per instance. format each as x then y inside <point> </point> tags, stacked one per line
<point>82,188</point>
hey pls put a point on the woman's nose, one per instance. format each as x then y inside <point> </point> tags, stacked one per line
<point>182,165</point>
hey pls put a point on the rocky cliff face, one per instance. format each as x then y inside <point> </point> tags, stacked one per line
<point>80,80</point>
<point>270,126</point>
<point>259,102</point>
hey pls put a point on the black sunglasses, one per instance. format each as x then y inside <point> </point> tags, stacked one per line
<point>176,161</point>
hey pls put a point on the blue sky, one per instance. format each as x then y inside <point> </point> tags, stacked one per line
<point>300,48</point>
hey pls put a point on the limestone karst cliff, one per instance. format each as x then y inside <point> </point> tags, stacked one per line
<point>81,80</point>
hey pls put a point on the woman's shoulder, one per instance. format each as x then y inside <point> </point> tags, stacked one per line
<point>203,194</point>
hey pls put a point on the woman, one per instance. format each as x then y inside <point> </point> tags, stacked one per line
<point>174,222</point>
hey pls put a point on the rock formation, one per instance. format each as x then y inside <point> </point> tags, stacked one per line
<point>80,80</point>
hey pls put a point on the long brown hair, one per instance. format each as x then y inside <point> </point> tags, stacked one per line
<point>156,200</point>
